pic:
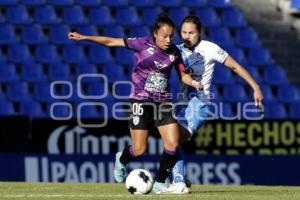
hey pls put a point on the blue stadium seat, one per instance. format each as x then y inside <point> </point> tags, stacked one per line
<point>195,3</point>
<point>7,34</point>
<point>124,56</point>
<point>114,72</point>
<point>33,2</point>
<point>221,36</point>
<point>8,2</point>
<point>60,111</point>
<point>33,34</point>
<point>222,110</point>
<point>19,53</point>
<point>59,34</point>
<point>295,4</point>
<point>18,91</point>
<point>259,56</point>
<point>274,75</point>
<point>169,3</point>
<point>73,16</point>
<point>32,72</point>
<point>7,108</point>
<point>246,37</point>
<point>73,54</point>
<point>60,2</point>
<point>232,18</point>
<point>208,17</point>
<point>18,15</point>
<point>2,20</point>
<point>88,111</point>
<point>237,54</point>
<point>115,3</point>
<point>123,90</point>
<point>114,31</point>
<point>274,110</point>
<point>267,92</point>
<point>99,54</point>
<point>41,92</point>
<point>127,17</point>
<point>87,30</point>
<point>59,71</point>
<point>253,72</point>
<point>46,54</point>
<point>222,75</point>
<point>178,14</point>
<point>32,109</point>
<point>149,15</point>
<point>220,3</point>
<point>8,73</point>
<point>144,3</point>
<point>2,58</point>
<point>85,68</point>
<point>295,110</point>
<point>139,31</point>
<point>100,16</point>
<point>235,93</point>
<point>288,93</point>
<point>88,2</point>
<point>45,15</point>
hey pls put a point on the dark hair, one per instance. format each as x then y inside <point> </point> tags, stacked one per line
<point>161,20</point>
<point>193,19</point>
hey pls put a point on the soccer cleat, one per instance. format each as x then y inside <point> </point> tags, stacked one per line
<point>119,170</point>
<point>159,188</point>
<point>177,188</point>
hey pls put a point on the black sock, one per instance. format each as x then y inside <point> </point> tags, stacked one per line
<point>127,155</point>
<point>167,162</point>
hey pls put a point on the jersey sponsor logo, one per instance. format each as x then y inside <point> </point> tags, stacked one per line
<point>150,50</point>
<point>156,82</point>
<point>160,65</point>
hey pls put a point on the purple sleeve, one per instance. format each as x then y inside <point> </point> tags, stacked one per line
<point>136,44</point>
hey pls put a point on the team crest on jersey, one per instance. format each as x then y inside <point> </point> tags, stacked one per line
<point>172,58</point>
<point>136,120</point>
<point>221,52</point>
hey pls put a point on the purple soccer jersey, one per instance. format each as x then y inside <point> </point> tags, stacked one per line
<point>151,70</point>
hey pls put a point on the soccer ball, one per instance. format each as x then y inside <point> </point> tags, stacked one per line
<point>139,181</point>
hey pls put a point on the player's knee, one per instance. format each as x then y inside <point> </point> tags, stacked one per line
<point>139,151</point>
<point>172,145</point>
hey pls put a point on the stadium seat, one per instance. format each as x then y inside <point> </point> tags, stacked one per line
<point>259,56</point>
<point>149,15</point>
<point>88,2</point>
<point>60,2</point>
<point>274,110</point>
<point>220,36</point>
<point>19,53</point>
<point>95,88</point>
<point>8,2</point>
<point>295,110</point>
<point>237,54</point>
<point>8,73</point>
<point>127,17</point>
<point>32,109</point>
<point>267,92</point>
<point>18,91</point>
<point>99,54</point>
<point>114,72</point>
<point>222,110</point>
<point>274,75</point>
<point>7,108</point>
<point>178,14</point>
<point>208,17</point>
<point>295,4</point>
<point>73,16</point>
<point>41,92</point>
<point>195,3</point>
<point>46,54</point>
<point>59,71</point>
<point>100,16</point>
<point>32,72</point>
<point>122,90</point>
<point>45,15</point>
<point>169,3</point>
<point>7,34</point>
<point>253,72</point>
<point>288,93</point>
<point>59,34</point>
<point>222,75</point>
<point>114,31</point>
<point>33,34</point>
<point>232,18</point>
<point>115,3</point>
<point>235,93</point>
<point>87,30</point>
<point>85,68</point>
<point>73,54</point>
<point>219,3</point>
<point>139,31</point>
<point>18,15</point>
<point>246,37</point>
<point>124,56</point>
<point>2,58</point>
<point>33,2</point>
<point>60,111</point>
<point>144,3</point>
<point>88,111</point>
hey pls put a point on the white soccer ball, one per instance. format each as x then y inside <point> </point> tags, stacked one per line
<point>139,181</point>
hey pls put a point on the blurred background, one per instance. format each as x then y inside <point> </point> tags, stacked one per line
<point>57,124</point>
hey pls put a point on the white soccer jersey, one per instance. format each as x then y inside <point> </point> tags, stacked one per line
<point>200,64</point>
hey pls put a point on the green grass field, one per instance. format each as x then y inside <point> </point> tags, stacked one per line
<point>74,191</point>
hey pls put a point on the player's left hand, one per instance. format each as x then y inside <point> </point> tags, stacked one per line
<point>197,85</point>
<point>258,98</point>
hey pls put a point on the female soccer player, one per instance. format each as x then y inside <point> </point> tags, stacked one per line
<point>154,58</point>
<point>199,57</point>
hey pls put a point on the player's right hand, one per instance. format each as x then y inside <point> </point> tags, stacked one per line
<point>197,85</point>
<point>75,36</point>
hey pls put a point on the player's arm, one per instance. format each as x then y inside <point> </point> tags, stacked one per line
<point>242,72</point>
<point>103,40</point>
<point>187,79</point>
